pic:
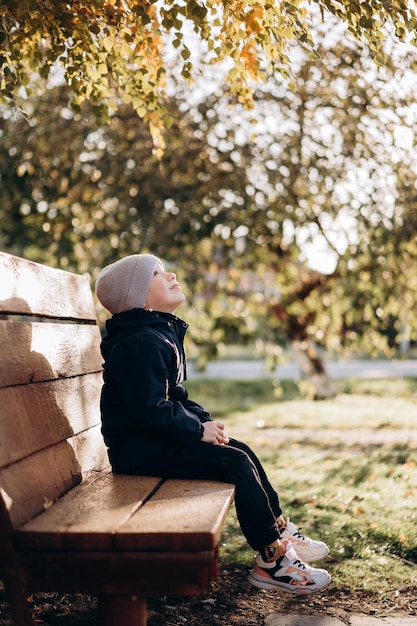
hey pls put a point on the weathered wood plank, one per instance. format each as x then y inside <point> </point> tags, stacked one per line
<point>90,450</point>
<point>28,485</point>
<point>35,351</point>
<point>36,481</point>
<point>31,288</point>
<point>33,417</point>
<point>182,515</point>
<point>93,514</point>
<point>89,515</point>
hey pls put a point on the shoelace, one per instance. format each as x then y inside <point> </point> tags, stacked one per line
<point>300,564</point>
<point>296,533</point>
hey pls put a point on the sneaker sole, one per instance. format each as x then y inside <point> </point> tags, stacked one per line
<point>297,591</point>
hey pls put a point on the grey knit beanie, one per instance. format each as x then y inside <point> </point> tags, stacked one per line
<point>124,285</point>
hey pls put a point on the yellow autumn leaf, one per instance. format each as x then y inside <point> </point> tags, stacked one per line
<point>250,58</point>
<point>108,44</point>
<point>255,18</point>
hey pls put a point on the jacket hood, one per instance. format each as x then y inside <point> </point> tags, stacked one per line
<point>121,325</point>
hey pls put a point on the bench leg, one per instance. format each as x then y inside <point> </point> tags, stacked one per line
<point>114,610</point>
<point>20,612</point>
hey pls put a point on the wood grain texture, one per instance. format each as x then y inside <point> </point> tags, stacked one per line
<point>35,351</point>
<point>182,515</point>
<point>88,517</point>
<point>108,512</point>
<point>31,288</point>
<point>30,485</point>
<point>33,417</point>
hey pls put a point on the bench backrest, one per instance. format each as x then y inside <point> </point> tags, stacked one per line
<point>50,382</point>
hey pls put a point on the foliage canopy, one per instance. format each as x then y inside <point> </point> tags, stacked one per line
<point>119,49</point>
<point>333,162</point>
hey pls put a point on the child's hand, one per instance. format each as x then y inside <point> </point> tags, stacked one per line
<point>214,433</point>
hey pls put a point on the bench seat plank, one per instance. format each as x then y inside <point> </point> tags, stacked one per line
<point>182,515</point>
<point>131,513</point>
<point>89,515</point>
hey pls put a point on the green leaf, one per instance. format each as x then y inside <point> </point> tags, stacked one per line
<point>185,53</point>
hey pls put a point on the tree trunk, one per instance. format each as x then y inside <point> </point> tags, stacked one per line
<point>313,371</point>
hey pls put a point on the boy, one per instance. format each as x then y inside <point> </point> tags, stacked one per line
<point>151,427</point>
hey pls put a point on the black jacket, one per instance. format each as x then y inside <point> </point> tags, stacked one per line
<point>145,409</point>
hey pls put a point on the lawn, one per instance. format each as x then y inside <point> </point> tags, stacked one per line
<point>346,470</point>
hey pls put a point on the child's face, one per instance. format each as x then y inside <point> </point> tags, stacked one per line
<point>164,293</point>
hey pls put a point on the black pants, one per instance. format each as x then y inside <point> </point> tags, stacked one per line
<point>257,504</point>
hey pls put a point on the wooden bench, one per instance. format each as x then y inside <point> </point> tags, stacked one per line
<point>67,524</point>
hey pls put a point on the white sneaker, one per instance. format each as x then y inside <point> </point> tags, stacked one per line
<point>306,548</point>
<point>288,573</point>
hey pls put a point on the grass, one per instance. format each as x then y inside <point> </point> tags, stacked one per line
<point>347,473</point>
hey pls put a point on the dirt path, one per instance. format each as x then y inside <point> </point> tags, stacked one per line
<point>350,437</point>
